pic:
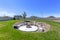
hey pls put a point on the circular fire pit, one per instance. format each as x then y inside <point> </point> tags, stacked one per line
<point>32,26</point>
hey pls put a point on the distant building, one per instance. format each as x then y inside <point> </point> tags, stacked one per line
<point>18,17</point>
<point>34,17</point>
<point>51,18</point>
<point>5,18</point>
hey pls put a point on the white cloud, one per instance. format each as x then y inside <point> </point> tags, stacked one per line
<point>6,13</point>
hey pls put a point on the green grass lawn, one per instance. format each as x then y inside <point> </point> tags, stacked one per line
<point>7,32</point>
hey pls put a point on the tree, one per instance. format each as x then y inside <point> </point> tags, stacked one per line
<point>24,16</point>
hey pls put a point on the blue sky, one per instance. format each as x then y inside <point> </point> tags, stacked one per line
<point>31,7</point>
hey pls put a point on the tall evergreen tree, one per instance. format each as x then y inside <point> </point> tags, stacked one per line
<point>24,16</point>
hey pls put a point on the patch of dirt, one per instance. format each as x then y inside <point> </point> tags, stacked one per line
<point>1,25</point>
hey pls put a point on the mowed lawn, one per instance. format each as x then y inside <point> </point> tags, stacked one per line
<point>7,32</point>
